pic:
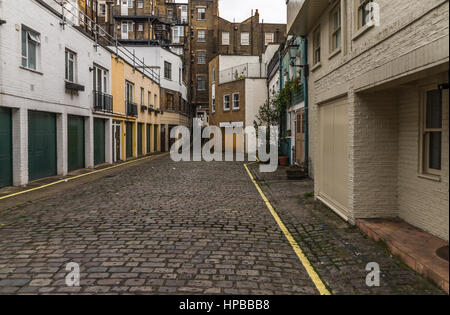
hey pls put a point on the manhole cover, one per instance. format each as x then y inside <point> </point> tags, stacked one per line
<point>443,252</point>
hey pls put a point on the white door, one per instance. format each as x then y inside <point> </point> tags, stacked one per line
<point>124,30</point>
<point>333,155</point>
<point>124,7</point>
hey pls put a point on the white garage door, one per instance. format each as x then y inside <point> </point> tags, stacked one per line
<point>333,155</point>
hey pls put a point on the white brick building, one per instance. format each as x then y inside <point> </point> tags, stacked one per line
<point>379,107</point>
<point>47,80</point>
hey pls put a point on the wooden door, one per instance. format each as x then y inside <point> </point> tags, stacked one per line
<point>300,137</point>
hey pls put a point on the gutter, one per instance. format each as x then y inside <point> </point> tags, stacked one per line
<point>305,93</point>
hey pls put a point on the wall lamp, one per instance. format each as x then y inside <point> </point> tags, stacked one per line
<point>293,49</point>
<point>2,22</point>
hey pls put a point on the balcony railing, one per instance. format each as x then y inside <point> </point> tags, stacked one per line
<point>132,109</point>
<point>247,70</point>
<point>103,102</point>
<point>297,96</point>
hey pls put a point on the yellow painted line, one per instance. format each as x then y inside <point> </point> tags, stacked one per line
<point>82,175</point>
<point>303,259</point>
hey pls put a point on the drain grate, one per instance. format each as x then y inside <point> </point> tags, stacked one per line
<point>443,252</point>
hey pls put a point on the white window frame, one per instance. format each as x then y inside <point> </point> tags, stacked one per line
<point>360,11</point>
<point>424,149</point>
<point>201,39</point>
<point>169,76</point>
<point>105,79</point>
<point>70,58</point>
<point>102,9</point>
<point>270,40</point>
<point>234,107</point>
<point>225,38</point>
<point>201,60</point>
<point>225,109</point>
<point>201,16</point>
<point>31,38</point>
<point>140,4</point>
<point>140,27</point>
<point>245,39</point>
<point>317,53</point>
<point>335,31</point>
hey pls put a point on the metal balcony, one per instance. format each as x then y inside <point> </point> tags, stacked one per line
<point>132,109</point>
<point>103,102</point>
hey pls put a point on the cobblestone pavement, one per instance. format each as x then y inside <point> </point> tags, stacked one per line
<point>339,252</point>
<point>184,228</point>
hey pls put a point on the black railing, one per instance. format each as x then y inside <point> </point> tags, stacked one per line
<point>103,102</point>
<point>132,109</point>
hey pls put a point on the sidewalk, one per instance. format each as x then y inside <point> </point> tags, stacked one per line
<point>338,251</point>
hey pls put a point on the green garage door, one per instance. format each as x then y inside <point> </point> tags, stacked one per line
<point>129,138</point>
<point>5,147</point>
<point>155,138</point>
<point>75,145</point>
<point>99,141</point>
<point>140,139</point>
<point>148,138</point>
<point>41,145</point>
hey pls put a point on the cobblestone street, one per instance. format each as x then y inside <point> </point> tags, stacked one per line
<point>161,227</point>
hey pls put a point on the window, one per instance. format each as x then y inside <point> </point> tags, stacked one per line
<point>201,14</point>
<point>201,57</point>
<point>155,97</point>
<point>30,48</point>
<point>201,36</point>
<point>71,61</point>
<point>201,83</point>
<point>335,24</point>
<point>268,38</point>
<point>167,70</point>
<point>364,12</point>
<point>213,105</point>
<point>213,75</point>
<point>140,27</point>
<point>102,9</point>
<point>236,101</point>
<point>100,79</point>
<point>140,4</point>
<point>149,99</point>
<point>129,92</point>
<point>316,46</point>
<point>225,38</point>
<point>177,33</point>
<point>142,96</point>
<point>169,101</point>
<point>127,27</point>
<point>130,3</point>
<point>226,102</point>
<point>431,130</point>
<point>213,97</point>
<point>245,38</point>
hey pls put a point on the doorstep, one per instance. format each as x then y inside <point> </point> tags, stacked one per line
<point>414,247</point>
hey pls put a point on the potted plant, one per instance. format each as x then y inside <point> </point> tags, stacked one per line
<point>288,133</point>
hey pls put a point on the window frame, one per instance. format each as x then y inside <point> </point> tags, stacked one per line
<point>129,86</point>
<point>272,38</point>
<point>34,37</point>
<point>234,101</point>
<point>201,16</point>
<point>225,102</point>
<point>167,70</point>
<point>246,43</point>
<point>335,33</point>
<point>360,9</point>
<point>317,51</point>
<point>67,54</point>
<point>227,42</point>
<point>203,60</point>
<point>424,132</point>
<point>201,39</point>
<point>204,83</point>
<point>105,79</point>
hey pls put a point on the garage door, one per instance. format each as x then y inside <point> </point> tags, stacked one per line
<point>149,139</point>
<point>333,154</point>
<point>41,144</point>
<point>129,139</point>
<point>75,145</point>
<point>99,141</point>
<point>5,147</point>
<point>140,139</point>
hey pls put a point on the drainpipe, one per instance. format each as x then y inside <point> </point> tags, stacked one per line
<point>305,95</point>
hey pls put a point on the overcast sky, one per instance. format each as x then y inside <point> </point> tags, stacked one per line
<point>272,11</point>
